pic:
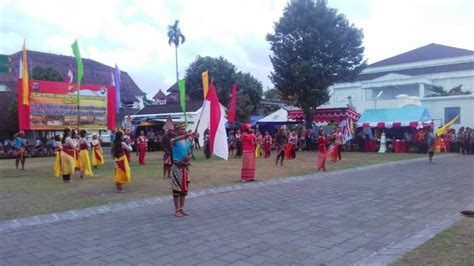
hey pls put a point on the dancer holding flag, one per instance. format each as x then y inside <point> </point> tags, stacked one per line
<point>122,167</point>
<point>247,173</point>
<point>180,169</point>
<point>97,153</point>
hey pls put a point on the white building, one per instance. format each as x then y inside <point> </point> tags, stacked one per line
<point>411,76</point>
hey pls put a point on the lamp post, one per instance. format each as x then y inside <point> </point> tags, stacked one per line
<point>376,98</point>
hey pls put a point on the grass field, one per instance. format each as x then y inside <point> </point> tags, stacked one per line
<point>36,191</point>
<point>453,246</point>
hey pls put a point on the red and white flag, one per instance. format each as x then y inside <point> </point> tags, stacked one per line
<point>214,115</point>
<point>231,113</point>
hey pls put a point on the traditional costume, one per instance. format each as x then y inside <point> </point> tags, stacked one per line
<point>258,149</point>
<point>322,149</point>
<point>20,145</point>
<point>68,158</point>
<point>141,146</point>
<point>57,158</point>
<point>267,144</point>
<point>122,168</point>
<point>84,160</point>
<point>97,153</point>
<point>291,146</point>
<point>248,156</point>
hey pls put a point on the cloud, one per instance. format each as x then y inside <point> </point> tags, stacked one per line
<point>133,33</point>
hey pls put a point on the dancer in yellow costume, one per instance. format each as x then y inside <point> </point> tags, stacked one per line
<point>84,160</point>
<point>75,138</point>
<point>122,168</point>
<point>97,153</point>
<point>58,147</point>
<point>68,160</point>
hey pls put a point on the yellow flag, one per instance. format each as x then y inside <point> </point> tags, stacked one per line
<point>205,83</point>
<point>442,129</point>
<point>25,78</point>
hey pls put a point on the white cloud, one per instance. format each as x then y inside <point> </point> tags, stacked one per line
<point>133,33</point>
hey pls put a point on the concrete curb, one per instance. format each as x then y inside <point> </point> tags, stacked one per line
<point>102,209</point>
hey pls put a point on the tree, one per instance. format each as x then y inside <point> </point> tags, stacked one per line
<point>175,37</point>
<point>313,47</point>
<point>440,91</point>
<point>49,74</point>
<point>271,94</point>
<point>224,74</point>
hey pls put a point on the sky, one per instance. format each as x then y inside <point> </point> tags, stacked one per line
<point>133,33</point>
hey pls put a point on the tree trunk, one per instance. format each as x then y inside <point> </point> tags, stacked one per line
<point>308,117</point>
<point>177,76</point>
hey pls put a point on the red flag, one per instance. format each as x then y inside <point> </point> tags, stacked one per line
<point>217,133</point>
<point>231,114</point>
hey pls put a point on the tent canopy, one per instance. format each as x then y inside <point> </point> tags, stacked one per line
<point>279,117</point>
<point>413,116</point>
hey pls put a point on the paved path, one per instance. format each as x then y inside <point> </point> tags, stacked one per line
<point>369,216</point>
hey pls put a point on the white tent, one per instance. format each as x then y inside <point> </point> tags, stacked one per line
<point>279,117</point>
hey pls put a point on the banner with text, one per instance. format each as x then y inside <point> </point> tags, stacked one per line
<point>53,106</point>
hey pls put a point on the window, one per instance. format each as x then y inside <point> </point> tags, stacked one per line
<point>450,113</point>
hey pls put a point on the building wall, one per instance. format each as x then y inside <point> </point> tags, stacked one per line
<point>436,106</point>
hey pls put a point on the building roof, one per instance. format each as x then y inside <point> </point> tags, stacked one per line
<point>173,88</point>
<point>428,52</point>
<point>191,106</point>
<point>94,72</point>
<point>160,95</point>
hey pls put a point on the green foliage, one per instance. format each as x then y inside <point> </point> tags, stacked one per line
<point>223,74</point>
<point>313,47</point>
<point>440,91</point>
<point>175,37</point>
<point>271,94</point>
<point>49,74</point>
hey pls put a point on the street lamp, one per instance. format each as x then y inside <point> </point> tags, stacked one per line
<point>376,98</point>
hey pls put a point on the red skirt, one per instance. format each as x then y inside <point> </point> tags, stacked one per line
<point>321,160</point>
<point>248,166</point>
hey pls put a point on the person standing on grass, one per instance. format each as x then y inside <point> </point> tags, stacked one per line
<point>280,141</point>
<point>97,153</point>
<point>167,150</point>
<point>322,150</point>
<point>180,146</point>
<point>141,147</point>
<point>84,160</point>
<point>267,144</point>
<point>431,141</point>
<point>20,145</point>
<point>247,173</point>
<point>207,147</point>
<point>74,138</point>
<point>259,142</point>
<point>122,167</point>
<point>68,156</point>
<point>290,153</point>
<point>238,143</point>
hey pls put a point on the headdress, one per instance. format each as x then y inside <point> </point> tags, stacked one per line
<point>245,126</point>
<point>179,126</point>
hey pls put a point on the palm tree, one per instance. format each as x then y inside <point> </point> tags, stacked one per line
<point>175,37</point>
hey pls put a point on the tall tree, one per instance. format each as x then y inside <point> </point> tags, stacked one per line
<point>49,74</point>
<point>175,37</point>
<point>223,74</point>
<point>313,47</point>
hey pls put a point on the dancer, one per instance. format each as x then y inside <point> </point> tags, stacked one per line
<point>267,144</point>
<point>248,158</point>
<point>122,168</point>
<point>279,144</point>
<point>291,146</point>
<point>180,169</point>
<point>322,149</point>
<point>97,153</point>
<point>84,160</point>
<point>238,143</point>
<point>20,145</point>
<point>167,156</point>
<point>141,147</point>
<point>431,140</point>
<point>68,153</point>
<point>58,147</point>
<point>207,147</point>
<point>74,138</point>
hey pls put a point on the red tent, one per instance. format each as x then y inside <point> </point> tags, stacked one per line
<point>326,115</point>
